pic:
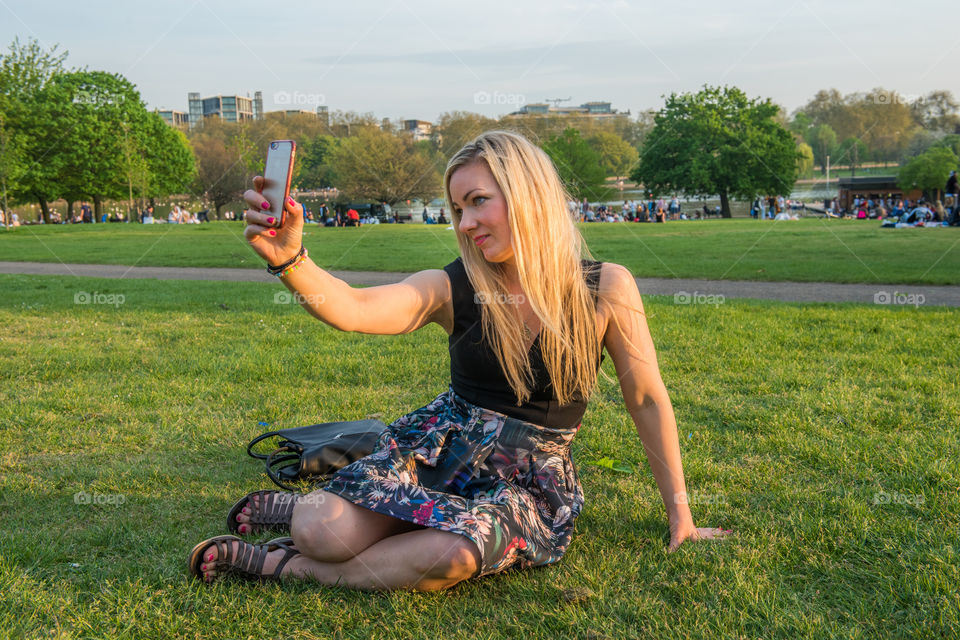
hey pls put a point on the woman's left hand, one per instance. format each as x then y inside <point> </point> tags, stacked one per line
<point>687,531</point>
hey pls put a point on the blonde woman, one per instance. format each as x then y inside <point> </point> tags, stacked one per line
<point>480,480</point>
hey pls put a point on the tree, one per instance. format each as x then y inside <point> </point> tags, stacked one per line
<point>221,175</point>
<point>376,165</point>
<point>170,160</point>
<point>617,157</point>
<point>717,141</point>
<point>313,157</point>
<point>804,159</point>
<point>852,152</point>
<point>928,171</point>
<point>457,128</point>
<point>578,165</point>
<point>824,143</point>
<point>25,71</point>
<point>937,111</point>
<point>11,163</point>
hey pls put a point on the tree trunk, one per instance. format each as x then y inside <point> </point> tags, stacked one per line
<point>44,210</point>
<point>217,206</point>
<point>69,210</point>
<point>725,205</point>
<point>97,208</point>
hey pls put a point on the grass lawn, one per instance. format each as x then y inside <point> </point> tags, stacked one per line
<point>809,250</point>
<point>825,436</point>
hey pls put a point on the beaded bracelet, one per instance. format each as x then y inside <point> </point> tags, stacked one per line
<point>274,270</point>
<point>300,260</point>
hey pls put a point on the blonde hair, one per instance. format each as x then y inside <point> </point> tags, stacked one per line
<point>547,249</point>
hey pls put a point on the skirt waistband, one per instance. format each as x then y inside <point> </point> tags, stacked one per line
<point>515,432</point>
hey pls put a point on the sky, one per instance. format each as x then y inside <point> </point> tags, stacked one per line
<point>408,59</point>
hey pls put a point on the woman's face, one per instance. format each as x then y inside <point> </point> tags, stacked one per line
<point>483,210</point>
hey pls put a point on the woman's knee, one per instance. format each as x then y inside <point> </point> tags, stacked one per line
<point>320,527</point>
<point>453,557</point>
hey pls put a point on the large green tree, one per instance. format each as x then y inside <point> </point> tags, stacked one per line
<point>928,171</point>
<point>32,136</point>
<point>718,142</point>
<point>578,165</point>
<point>376,165</point>
<point>617,156</point>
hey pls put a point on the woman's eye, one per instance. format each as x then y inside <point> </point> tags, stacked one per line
<point>477,199</point>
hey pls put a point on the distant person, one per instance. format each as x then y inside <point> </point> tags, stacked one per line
<point>952,190</point>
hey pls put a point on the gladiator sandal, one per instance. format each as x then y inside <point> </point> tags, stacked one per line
<point>271,512</point>
<point>248,562</point>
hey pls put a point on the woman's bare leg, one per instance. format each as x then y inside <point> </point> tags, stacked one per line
<point>422,560</point>
<point>329,528</point>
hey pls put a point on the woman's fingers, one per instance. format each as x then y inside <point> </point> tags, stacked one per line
<point>256,200</point>
<point>259,218</point>
<point>253,232</point>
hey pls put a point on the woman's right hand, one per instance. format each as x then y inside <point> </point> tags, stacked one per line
<point>275,245</point>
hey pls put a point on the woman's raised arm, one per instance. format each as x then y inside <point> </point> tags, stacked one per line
<point>420,299</point>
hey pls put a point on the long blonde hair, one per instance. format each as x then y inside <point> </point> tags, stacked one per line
<point>547,249</point>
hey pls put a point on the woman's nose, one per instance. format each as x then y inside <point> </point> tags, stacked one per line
<point>467,222</point>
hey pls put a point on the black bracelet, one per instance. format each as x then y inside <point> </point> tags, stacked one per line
<point>272,270</point>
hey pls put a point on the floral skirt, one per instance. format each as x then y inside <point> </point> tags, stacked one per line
<point>508,485</point>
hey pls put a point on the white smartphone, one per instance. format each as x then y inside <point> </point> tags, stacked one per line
<point>276,177</point>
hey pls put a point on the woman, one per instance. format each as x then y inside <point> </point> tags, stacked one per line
<point>479,480</point>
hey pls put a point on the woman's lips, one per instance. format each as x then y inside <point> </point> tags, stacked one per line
<point>480,239</point>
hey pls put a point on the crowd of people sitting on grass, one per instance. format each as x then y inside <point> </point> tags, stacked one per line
<point>919,212</point>
<point>647,210</point>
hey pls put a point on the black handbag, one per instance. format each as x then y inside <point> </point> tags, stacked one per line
<point>315,452</point>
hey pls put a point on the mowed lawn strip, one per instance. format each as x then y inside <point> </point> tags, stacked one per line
<point>808,250</point>
<point>823,435</point>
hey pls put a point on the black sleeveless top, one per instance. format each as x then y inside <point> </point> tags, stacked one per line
<point>476,374</point>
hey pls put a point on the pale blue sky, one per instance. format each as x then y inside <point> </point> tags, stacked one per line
<point>402,58</point>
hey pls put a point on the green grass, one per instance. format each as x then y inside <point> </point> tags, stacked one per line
<point>792,420</point>
<point>809,250</point>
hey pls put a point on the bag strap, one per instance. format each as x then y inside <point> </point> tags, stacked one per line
<point>272,460</point>
<point>258,439</point>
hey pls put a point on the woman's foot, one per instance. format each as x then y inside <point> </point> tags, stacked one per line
<point>261,511</point>
<point>223,555</point>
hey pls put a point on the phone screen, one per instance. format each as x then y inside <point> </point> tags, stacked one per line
<point>276,176</point>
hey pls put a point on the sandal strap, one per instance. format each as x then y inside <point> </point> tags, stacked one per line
<point>250,558</point>
<point>274,507</point>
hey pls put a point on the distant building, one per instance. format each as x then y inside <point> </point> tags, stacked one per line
<point>872,188</point>
<point>419,128</point>
<point>174,118</point>
<point>228,108</point>
<point>597,109</point>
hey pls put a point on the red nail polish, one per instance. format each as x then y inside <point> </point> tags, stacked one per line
<point>290,201</point>
<point>271,220</point>
<point>265,205</point>
<point>209,557</point>
<point>272,232</point>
